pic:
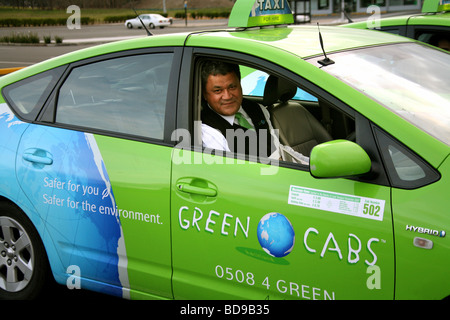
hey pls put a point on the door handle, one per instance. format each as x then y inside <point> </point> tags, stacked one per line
<point>37,156</point>
<point>188,188</point>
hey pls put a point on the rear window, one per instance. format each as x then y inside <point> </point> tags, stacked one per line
<point>26,97</point>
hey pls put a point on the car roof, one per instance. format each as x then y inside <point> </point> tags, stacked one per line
<point>438,19</point>
<point>432,19</point>
<point>302,41</point>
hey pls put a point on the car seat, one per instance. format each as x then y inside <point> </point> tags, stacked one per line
<point>298,128</point>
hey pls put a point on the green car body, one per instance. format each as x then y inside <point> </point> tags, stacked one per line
<point>190,222</point>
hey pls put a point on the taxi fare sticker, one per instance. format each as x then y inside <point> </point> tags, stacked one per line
<point>337,202</point>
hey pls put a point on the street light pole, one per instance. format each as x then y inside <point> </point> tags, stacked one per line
<point>185,12</point>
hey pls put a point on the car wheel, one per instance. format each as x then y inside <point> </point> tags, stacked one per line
<point>24,266</point>
<point>129,25</point>
<point>152,26</point>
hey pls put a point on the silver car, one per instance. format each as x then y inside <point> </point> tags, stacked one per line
<point>150,20</point>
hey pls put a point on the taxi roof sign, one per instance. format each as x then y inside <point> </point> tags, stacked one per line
<point>258,13</point>
<point>432,6</point>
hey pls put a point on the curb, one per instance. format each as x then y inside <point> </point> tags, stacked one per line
<point>9,70</point>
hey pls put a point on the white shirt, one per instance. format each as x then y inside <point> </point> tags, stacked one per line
<point>214,139</point>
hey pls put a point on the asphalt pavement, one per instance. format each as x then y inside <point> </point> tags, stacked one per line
<point>22,55</point>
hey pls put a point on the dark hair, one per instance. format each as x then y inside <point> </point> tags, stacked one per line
<point>215,67</point>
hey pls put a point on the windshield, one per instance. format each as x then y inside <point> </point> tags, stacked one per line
<point>412,80</point>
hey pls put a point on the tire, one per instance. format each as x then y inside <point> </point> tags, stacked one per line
<point>129,25</point>
<point>151,26</point>
<point>24,268</point>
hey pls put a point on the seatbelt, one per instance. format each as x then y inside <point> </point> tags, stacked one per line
<point>326,118</point>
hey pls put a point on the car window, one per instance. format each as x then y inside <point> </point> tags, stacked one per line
<point>393,30</point>
<point>27,97</point>
<point>300,119</point>
<point>254,81</point>
<point>406,169</point>
<point>124,95</point>
<point>437,38</point>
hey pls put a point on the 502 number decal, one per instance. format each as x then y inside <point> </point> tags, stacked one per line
<point>371,209</point>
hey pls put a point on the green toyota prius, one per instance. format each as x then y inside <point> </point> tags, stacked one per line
<point>431,26</point>
<point>338,191</point>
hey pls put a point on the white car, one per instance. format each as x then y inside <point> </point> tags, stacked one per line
<point>150,20</point>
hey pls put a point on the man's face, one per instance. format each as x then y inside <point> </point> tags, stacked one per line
<point>223,93</point>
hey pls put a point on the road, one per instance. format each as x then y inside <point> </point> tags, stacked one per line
<point>25,55</point>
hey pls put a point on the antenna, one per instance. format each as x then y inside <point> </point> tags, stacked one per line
<point>148,32</point>
<point>327,61</point>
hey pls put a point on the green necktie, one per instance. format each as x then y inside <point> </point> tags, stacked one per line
<point>243,122</point>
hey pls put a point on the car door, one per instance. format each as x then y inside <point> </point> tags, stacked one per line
<point>419,218</point>
<point>97,168</point>
<point>251,228</point>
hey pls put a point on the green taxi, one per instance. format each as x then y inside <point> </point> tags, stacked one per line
<point>431,26</point>
<point>107,185</point>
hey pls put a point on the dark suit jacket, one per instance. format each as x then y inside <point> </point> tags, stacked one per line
<point>258,142</point>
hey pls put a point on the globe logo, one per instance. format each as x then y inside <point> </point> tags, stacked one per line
<point>276,234</point>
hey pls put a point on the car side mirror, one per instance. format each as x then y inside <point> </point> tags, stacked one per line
<point>338,158</point>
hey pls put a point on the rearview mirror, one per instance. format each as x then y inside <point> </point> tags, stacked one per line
<point>338,158</point>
